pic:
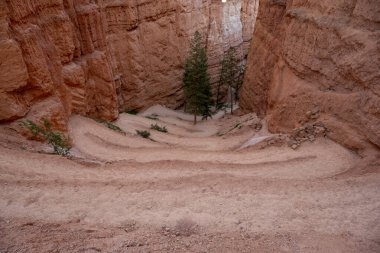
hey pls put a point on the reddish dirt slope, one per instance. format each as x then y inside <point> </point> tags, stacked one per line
<point>128,194</point>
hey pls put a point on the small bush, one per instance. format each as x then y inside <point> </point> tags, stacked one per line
<point>111,126</point>
<point>133,112</point>
<point>158,128</point>
<point>153,117</point>
<point>185,227</point>
<point>144,134</point>
<point>238,125</point>
<point>56,140</point>
<point>222,106</point>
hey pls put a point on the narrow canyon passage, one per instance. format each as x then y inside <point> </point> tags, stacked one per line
<point>99,150</point>
<point>187,190</point>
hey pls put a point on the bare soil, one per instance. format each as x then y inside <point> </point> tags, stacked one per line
<point>192,189</point>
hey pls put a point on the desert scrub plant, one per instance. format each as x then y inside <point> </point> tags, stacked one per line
<point>153,117</point>
<point>185,227</point>
<point>158,128</point>
<point>132,112</point>
<point>60,143</point>
<point>238,125</point>
<point>111,126</point>
<point>145,134</point>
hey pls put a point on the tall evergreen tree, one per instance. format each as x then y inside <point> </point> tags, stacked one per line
<point>197,80</point>
<point>239,82</point>
<point>230,77</point>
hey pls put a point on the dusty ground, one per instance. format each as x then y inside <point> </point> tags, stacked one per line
<point>192,189</point>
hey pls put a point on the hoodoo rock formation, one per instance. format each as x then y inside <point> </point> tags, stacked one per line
<point>97,58</point>
<point>317,60</point>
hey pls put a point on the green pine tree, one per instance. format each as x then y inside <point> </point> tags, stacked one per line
<point>230,77</point>
<point>239,82</point>
<point>197,80</point>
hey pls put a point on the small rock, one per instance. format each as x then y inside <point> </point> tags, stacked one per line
<point>320,124</point>
<point>291,143</point>
<point>258,126</point>
<point>314,116</point>
<point>302,134</point>
<point>309,128</point>
<point>131,244</point>
<point>319,130</point>
<point>316,110</point>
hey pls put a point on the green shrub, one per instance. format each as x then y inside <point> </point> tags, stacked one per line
<point>144,134</point>
<point>222,106</point>
<point>153,117</point>
<point>111,126</point>
<point>133,111</point>
<point>158,128</point>
<point>238,125</point>
<point>60,143</point>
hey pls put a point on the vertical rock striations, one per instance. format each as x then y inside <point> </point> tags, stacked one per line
<point>249,10</point>
<point>149,41</point>
<point>59,61</point>
<point>95,58</point>
<point>317,58</point>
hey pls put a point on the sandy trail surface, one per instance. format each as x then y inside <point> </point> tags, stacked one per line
<point>188,190</point>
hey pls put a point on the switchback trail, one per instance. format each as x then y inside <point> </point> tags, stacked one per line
<point>192,189</point>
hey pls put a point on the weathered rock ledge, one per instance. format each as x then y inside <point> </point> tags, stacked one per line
<point>317,55</point>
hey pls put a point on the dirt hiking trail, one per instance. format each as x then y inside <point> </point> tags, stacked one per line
<point>196,188</point>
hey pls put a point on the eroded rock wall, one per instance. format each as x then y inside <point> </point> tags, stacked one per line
<point>149,42</point>
<point>320,57</point>
<point>56,61</point>
<point>99,57</point>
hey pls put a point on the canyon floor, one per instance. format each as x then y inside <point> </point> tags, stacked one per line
<point>212,187</point>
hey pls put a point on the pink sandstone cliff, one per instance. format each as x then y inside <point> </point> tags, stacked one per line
<point>317,61</point>
<point>96,58</point>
